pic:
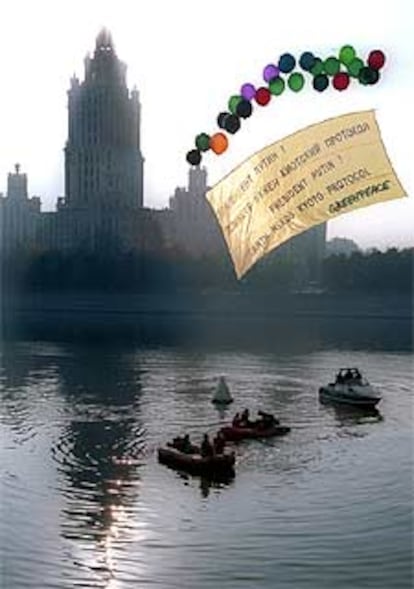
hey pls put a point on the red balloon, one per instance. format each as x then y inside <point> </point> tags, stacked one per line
<point>340,81</point>
<point>376,59</point>
<point>262,96</point>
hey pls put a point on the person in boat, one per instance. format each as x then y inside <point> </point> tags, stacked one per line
<point>219,443</point>
<point>187,446</point>
<point>357,375</point>
<point>348,375</point>
<point>245,419</point>
<point>182,444</point>
<point>236,420</point>
<point>266,420</point>
<point>176,443</point>
<point>339,378</point>
<point>206,449</point>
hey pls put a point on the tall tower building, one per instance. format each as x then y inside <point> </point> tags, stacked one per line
<point>103,159</point>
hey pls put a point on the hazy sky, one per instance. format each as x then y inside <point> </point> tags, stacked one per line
<point>187,58</point>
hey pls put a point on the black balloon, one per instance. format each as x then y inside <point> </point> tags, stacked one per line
<point>194,157</point>
<point>244,109</point>
<point>320,82</point>
<point>221,119</point>
<point>232,124</point>
<point>368,75</point>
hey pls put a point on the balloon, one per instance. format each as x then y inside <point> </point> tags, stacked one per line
<point>233,102</point>
<point>203,142</point>
<point>354,67</point>
<point>376,59</point>
<point>317,67</point>
<point>331,66</point>
<point>286,63</point>
<point>347,54</point>
<point>341,81</point>
<point>194,157</point>
<point>320,82</point>
<point>248,91</point>
<point>270,72</point>
<point>244,109</point>
<point>296,81</point>
<point>262,96</point>
<point>219,143</point>
<point>368,76</point>
<point>277,86</point>
<point>221,119</point>
<point>232,124</point>
<point>307,61</point>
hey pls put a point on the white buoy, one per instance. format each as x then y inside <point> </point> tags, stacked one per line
<point>222,394</point>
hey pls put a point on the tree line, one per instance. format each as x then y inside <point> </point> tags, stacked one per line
<point>389,271</point>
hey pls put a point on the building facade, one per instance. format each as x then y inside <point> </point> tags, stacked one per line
<point>192,225</point>
<point>102,209</point>
<point>104,166</point>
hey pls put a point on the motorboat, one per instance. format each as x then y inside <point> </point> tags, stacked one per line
<point>222,395</point>
<point>349,388</point>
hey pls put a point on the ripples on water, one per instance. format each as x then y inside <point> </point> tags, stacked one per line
<point>85,504</point>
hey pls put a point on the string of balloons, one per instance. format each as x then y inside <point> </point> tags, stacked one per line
<point>337,71</point>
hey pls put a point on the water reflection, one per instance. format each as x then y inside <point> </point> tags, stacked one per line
<point>224,412</point>
<point>20,368</point>
<point>216,483</point>
<point>348,415</point>
<point>100,492</point>
<point>205,484</point>
<point>99,454</point>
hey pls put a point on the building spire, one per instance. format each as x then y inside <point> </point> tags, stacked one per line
<point>104,40</point>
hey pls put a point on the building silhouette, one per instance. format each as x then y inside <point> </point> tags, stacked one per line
<point>103,210</point>
<point>192,223</point>
<point>341,246</point>
<point>104,167</point>
<point>19,214</point>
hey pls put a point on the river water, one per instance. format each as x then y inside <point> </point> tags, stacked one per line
<point>84,502</point>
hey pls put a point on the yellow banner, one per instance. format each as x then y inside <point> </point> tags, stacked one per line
<point>316,174</point>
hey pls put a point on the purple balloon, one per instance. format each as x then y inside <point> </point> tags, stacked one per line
<point>248,91</point>
<point>270,71</point>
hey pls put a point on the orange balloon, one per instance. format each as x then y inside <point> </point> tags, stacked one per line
<point>219,143</point>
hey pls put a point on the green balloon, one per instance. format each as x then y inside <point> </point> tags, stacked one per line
<point>296,81</point>
<point>317,67</point>
<point>355,66</point>
<point>347,54</point>
<point>276,86</point>
<point>202,142</point>
<point>233,102</point>
<point>331,66</point>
